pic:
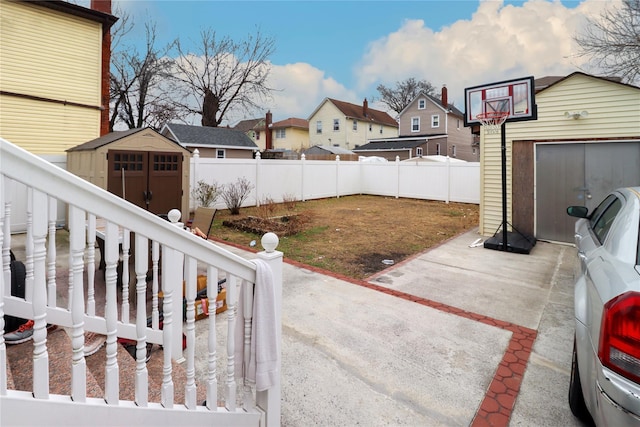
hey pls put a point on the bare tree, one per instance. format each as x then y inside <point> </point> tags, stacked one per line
<point>221,75</point>
<point>612,42</point>
<point>137,93</point>
<point>398,97</point>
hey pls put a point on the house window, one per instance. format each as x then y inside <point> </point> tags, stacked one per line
<point>220,153</point>
<point>257,134</point>
<point>435,121</point>
<point>437,149</point>
<point>336,124</point>
<point>474,151</point>
<point>458,124</point>
<point>319,126</point>
<point>419,152</point>
<point>355,125</point>
<point>453,151</point>
<point>281,133</point>
<point>415,124</point>
<point>422,104</point>
<point>381,129</point>
<point>370,127</point>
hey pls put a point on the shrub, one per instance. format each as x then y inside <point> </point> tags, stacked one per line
<point>289,201</point>
<point>267,208</point>
<point>234,194</point>
<point>205,194</point>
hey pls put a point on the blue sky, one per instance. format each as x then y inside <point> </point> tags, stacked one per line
<point>344,49</point>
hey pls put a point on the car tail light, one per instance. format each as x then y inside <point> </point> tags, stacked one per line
<point>619,348</point>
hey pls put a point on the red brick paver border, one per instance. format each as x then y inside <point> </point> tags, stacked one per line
<point>499,400</point>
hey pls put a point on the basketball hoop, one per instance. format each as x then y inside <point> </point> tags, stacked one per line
<point>492,120</point>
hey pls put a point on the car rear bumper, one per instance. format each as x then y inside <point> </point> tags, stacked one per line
<point>618,404</point>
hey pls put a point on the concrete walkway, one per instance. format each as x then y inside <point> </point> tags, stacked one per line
<point>455,336</point>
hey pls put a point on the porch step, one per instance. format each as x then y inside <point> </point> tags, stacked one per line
<point>20,368</point>
<point>20,364</point>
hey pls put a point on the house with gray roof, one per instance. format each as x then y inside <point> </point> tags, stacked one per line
<point>427,126</point>
<point>218,142</point>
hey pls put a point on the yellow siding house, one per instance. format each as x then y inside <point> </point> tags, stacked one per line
<point>585,142</point>
<point>51,57</point>
<point>342,124</point>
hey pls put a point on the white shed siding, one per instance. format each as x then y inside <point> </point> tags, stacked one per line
<point>614,111</point>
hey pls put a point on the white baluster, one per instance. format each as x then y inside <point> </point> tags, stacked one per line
<point>248,316</point>
<point>169,275</point>
<point>28,248</point>
<point>40,354</point>
<point>91,264</point>
<point>155,312</point>
<point>51,254</point>
<point>78,364</point>
<point>232,297</point>
<point>3,347</point>
<point>191,277</point>
<point>110,254</point>
<point>212,381</point>
<point>141,267</point>
<point>6,227</point>
<point>126,244</point>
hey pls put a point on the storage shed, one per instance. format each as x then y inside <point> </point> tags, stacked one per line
<point>140,165</point>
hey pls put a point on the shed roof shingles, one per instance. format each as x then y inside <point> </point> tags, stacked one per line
<point>194,136</point>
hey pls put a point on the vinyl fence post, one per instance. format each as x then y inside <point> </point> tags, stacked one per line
<point>337,176</point>
<point>257,181</point>
<point>303,162</point>
<point>397,177</point>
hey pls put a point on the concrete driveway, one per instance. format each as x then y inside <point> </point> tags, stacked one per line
<point>455,336</point>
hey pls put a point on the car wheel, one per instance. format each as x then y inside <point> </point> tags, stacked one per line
<point>576,398</point>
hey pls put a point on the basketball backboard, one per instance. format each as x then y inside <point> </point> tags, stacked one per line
<point>516,97</point>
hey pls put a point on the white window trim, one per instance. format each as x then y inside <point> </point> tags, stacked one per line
<point>437,149</point>
<point>281,133</point>
<point>219,151</point>
<point>318,126</point>
<point>355,125</point>
<point>412,129</point>
<point>336,125</point>
<point>435,118</point>
<point>423,102</point>
<point>418,151</point>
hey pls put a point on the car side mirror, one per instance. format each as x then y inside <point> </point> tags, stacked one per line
<point>577,211</point>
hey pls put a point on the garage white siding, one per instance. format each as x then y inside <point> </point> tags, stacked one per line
<point>613,112</point>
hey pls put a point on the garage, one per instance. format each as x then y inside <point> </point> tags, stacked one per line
<point>584,143</point>
<point>139,165</point>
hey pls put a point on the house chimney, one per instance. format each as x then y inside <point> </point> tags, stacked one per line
<point>104,6</point>
<point>365,108</point>
<point>444,97</point>
<point>267,131</point>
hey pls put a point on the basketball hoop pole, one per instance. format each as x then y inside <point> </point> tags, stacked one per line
<point>503,149</point>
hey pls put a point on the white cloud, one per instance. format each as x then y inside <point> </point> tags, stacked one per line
<point>300,88</point>
<point>498,43</point>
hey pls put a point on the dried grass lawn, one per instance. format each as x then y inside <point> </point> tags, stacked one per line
<point>353,235</point>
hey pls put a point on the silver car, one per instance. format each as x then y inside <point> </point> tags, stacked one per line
<point>605,373</point>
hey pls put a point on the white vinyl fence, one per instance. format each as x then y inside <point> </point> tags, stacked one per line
<point>315,179</point>
<point>312,179</point>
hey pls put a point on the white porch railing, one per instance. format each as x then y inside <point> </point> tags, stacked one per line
<point>166,256</point>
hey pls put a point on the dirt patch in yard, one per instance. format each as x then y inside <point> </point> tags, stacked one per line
<point>356,236</point>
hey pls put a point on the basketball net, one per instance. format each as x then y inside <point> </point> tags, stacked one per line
<point>492,121</point>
